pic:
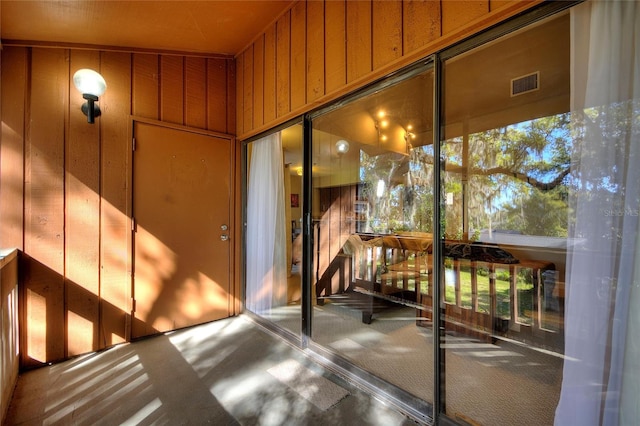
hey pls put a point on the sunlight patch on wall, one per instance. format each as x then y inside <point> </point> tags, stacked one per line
<point>37,326</point>
<point>82,330</point>
<point>81,229</point>
<point>114,258</point>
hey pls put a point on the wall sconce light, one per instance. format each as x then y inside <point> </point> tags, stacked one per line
<point>342,147</point>
<point>299,171</point>
<point>92,86</point>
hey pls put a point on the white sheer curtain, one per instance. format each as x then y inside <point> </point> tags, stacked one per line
<point>266,277</point>
<point>601,378</point>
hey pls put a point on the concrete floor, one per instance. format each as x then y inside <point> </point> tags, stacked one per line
<point>228,372</point>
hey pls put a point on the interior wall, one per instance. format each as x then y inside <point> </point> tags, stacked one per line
<point>66,192</point>
<point>320,50</point>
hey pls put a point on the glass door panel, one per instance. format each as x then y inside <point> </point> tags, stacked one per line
<point>372,223</point>
<point>506,146</point>
<point>274,223</point>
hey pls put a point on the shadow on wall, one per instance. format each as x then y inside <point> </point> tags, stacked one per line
<point>61,318</point>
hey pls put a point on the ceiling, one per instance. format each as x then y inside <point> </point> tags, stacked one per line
<point>204,27</point>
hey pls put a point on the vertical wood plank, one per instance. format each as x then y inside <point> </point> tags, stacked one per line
<point>230,107</point>
<point>82,217</point>
<point>334,215</point>
<point>298,55</point>
<point>115,207</point>
<point>14,78</point>
<point>456,14</point>
<point>323,232</point>
<point>421,23</point>
<point>358,39</point>
<point>195,92</point>
<point>258,82</point>
<point>387,31</point>
<point>335,45</point>
<point>172,89</point>
<point>44,207</point>
<point>283,64</point>
<point>217,96</point>
<point>315,50</point>
<point>248,88</point>
<point>346,206</point>
<point>240,94</point>
<point>145,90</point>
<point>270,74</point>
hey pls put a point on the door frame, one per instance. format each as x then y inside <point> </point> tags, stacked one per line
<point>235,216</point>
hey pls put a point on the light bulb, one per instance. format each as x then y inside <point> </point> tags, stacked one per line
<point>342,146</point>
<point>89,82</point>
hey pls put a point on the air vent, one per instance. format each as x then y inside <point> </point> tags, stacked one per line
<point>525,84</point>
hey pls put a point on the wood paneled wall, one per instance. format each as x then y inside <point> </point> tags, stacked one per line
<point>333,228</point>
<point>9,361</point>
<point>320,50</point>
<point>66,184</point>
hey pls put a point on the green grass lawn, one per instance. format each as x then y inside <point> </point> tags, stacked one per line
<point>524,287</point>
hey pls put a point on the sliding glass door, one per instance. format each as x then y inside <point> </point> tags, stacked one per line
<point>492,191</point>
<point>273,228</point>
<point>506,146</point>
<point>372,229</point>
<point>540,191</point>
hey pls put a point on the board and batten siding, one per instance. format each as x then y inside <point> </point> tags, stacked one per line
<point>320,50</point>
<point>66,184</point>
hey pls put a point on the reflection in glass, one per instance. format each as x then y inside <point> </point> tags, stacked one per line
<point>506,183</point>
<point>372,211</point>
<point>273,232</point>
<point>540,189</point>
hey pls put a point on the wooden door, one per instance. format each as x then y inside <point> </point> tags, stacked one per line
<point>181,210</point>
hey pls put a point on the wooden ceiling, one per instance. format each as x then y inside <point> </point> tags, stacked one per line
<point>203,27</point>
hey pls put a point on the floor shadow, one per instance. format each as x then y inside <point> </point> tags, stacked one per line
<point>214,373</point>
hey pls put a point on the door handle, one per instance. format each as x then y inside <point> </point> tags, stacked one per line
<point>224,237</point>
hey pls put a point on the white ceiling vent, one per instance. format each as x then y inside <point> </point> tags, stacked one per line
<point>525,84</point>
